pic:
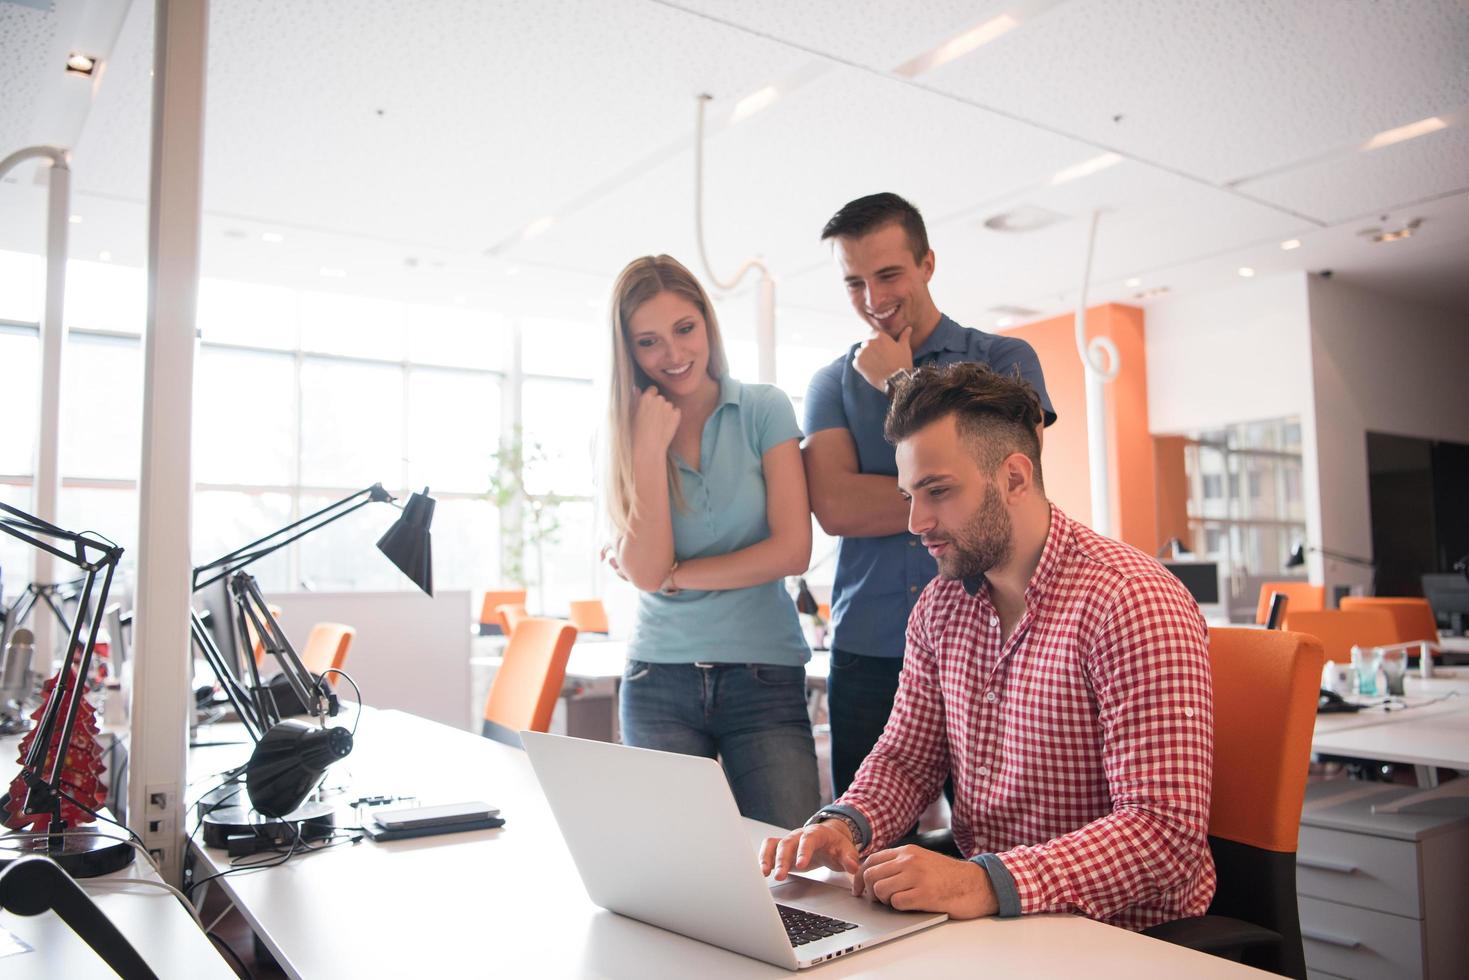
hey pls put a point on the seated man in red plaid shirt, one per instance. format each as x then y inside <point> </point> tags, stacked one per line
<point>1061,677</point>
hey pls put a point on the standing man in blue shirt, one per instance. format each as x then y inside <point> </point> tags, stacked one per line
<point>881,247</point>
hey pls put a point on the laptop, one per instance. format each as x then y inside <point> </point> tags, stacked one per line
<point>656,836</point>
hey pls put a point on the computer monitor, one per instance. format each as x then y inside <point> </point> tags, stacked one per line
<point>1448,594</point>
<point>1201,578</point>
<point>217,603</point>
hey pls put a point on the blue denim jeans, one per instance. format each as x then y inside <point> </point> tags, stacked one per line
<point>752,717</point>
<point>859,697</point>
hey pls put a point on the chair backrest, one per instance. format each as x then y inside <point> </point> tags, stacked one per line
<point>589,615</point>
<point>326,647</point>
<point>495,598</point>
<point>508,614</point>
<point>1412,617</point>
<point>1301,596</point>
<point>1339,631</point>
<point>529,679</point>
<point>1265,691</point>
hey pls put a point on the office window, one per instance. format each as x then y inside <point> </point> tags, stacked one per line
<point>109,512</point>
<point>554,421</point>
<point>466,542</point>
<point>453,429</point>
<point>22,287</point>
<point>457,338</point>
<point>352,423</point>
<point>101,407</point>
<point>359,326</point>
<point>566,567</point>
<point>225,520</point>
<point>105,298</point>
<point>248,314</point>
<point>245,419</point>
<point>343,556</point>
<point>20,400</point>
<point>565,348</point>
<point>15,556</point>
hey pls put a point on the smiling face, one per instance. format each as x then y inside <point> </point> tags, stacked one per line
<point>669,341</point>
<point>956,509</point>
<point>886,285</point>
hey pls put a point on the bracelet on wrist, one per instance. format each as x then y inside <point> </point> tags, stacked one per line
<point>668,588</point>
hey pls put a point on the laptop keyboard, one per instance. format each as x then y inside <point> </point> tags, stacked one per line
<point>806,927</point>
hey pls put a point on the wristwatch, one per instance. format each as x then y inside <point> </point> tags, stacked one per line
<point>822,816</point>
<point>894,379</point>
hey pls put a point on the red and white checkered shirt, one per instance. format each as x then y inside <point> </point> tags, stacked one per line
<point>1082,748</point>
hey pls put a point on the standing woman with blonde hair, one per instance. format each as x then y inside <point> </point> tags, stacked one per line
<point>708,497</point>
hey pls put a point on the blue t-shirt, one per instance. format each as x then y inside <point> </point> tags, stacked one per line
<point>878,579</point>
<point>724,511</point>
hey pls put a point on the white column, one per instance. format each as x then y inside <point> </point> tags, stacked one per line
<point>48,446</point>
<point>161,693</point>
<point>765,328</point>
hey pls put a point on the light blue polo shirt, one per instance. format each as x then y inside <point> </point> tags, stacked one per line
<point>879,579</point>
<point>724,511</point>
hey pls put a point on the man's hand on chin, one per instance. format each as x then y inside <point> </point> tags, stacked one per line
<point>910,878</point>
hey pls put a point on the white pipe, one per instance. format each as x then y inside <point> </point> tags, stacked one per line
<point>53,335</point>
<point>765,294</point>
<point>1101,361</point>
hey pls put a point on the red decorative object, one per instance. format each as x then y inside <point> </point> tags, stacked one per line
<point>81,769</point>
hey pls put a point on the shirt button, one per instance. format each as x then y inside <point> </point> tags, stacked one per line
<point>984,770</point>
<point>912,588</point>
<point>994,620</point>
<point>991,697</point>
<point>912,544</point>
<point>1188,712</point>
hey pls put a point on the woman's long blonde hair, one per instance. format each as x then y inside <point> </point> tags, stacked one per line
<point>639,282</point>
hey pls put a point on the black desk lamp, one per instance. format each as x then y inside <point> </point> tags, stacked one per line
<point>32,885</point>
<point>44,766</point>
<point>290,756</point>
<point>1298,557</point>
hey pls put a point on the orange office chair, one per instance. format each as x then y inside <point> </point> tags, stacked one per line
<point>1339,631</point>
<point>1301,597</point>
<point>589,615</point>
<point>508,614</point>
<point>489,623</point>
<point>529,680</point>
<point>326,648</point>
<point>1412,618</point>
<point>1265,690</point>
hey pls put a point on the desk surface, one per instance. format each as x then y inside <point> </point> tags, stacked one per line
<point>1433,730</point>
<point>509,901</point>
<point>161,930</point>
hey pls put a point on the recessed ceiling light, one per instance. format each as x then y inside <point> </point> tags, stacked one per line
<point>104,256</point>
<point>1290,244</point>
<point>1381,235</point>
<point>514,270</point>
<point>1150,293</point>
<point>273,237</point>
<point>1246,272</point>
<point>538,227</point>
<point>958,46</point>
<point>1411,131</point>
<point>1086,168</point>
<point>330,272</point>
<point>459,300</point>
<point>1005,321</point>
<point>1027,217</point>
<point>1133,283</point>
<point>753,103</point>
<point>75,219</point>
<point>80,64</point>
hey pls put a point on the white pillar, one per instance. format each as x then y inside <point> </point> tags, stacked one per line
<point>765,328</point>
<point>162,698</point>
<point>45,504</point>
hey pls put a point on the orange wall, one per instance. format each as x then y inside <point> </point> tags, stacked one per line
<point>1130,447</point>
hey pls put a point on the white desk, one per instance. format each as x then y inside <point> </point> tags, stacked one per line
<point>159,928</point>
<point>508,902</point>
<point>1429,732</point>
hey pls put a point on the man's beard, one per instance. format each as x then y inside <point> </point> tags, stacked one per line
<point>982,543</point>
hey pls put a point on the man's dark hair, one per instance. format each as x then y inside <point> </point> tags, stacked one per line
<point>996,415</point>
<point>867,214</point>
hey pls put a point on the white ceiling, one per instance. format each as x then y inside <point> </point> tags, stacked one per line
<point>413,143</point>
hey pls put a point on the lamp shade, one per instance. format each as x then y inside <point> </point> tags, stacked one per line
<point>408,544</point>
<point>1297,557</point>
<point>288,761</point>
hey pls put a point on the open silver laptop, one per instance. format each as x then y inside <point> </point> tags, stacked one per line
<point>656,836</point>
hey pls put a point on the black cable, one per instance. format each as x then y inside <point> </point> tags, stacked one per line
<point>356,692</point>
<point>220,944</point>
<point>252,866</point>
<point>97,816</point>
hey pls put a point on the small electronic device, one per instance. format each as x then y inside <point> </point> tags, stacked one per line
<point>423,821</point>
<point>1332,703</point>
